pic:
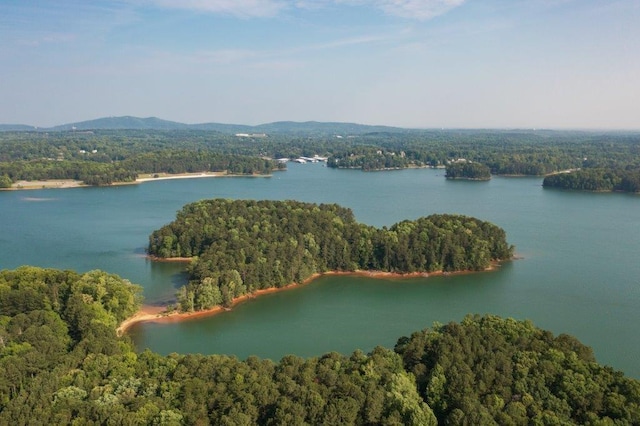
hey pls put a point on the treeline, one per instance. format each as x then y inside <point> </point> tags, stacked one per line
<point>61,362</point>
<point>501,158</point>
<point>242,246</point>
<point>105,173</point>
<point>181,161</point>
<point>535,153</point>
<point>91,173</point>
<point>596,180</point>
<point>370,158</point>
<point>467,170</point>
<point>517,152</point>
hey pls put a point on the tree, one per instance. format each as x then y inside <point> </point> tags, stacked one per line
<point>5,181</point>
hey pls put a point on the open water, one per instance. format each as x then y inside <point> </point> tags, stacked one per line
<point>579,271</point>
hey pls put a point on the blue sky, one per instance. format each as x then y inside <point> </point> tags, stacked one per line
<point>409,63</point>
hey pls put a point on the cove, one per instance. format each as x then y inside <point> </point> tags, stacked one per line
<point>578,273</point>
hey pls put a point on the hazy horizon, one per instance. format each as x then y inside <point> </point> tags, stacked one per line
<point>422,64</point>
<point>560,129</point>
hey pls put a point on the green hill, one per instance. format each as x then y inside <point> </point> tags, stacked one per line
<point>154,123</point>
<point>121,123</point>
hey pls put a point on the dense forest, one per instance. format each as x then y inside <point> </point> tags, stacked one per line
<point>61,362</point>
<point>597,179</point>
<point>467,170</point>
<point>96,172</point>
<point>512,153</point>
<point>101,157</point>
<point>242,246</point>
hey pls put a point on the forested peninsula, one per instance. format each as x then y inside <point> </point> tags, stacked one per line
<point>598,179</point>
<point>241,246</point>
<point>61,362</point>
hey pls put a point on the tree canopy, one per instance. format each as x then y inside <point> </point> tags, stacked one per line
<point>244,245</point>
<point>101,157</point>
<point>61,362</point>
<point>596,179</point>
<point>467,170</point>
<point>488,370</point>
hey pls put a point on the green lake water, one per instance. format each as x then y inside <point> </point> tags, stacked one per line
<point>579,271</point>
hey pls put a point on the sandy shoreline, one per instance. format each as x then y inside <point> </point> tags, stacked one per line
<point>45,184</point>
<point>159,314</point>
<point>147,177</point>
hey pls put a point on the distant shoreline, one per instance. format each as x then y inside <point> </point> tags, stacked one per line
<point>159,314</point>
<point>146,177</point>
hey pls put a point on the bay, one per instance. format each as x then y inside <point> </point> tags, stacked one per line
<point>579,271</point>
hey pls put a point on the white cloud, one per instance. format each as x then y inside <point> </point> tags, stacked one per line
<point>239,8</point>
<point>410,9</point>
<point>417,9</point>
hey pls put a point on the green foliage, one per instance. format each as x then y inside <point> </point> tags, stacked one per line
<point>534,153</point>
<point>101,157</point>
<point>467,170</point>
<point>596,180</point>
<point>485,370</point>
<point>488,370</point>
<point>370,158</point>
<point>99,173</point>
<point>49,320</point>
<point>242,246</point>
<point>5,181</point>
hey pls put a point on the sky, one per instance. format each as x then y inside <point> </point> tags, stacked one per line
<point>408,63</point>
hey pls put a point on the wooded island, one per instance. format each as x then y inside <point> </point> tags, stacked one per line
<point>242,246</point>
<point>468,171</point>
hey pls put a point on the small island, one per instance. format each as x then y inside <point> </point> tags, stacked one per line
<point>240,247</point>
<point>467,170</point>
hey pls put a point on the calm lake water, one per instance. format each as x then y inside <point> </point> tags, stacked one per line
<point>579,272</point>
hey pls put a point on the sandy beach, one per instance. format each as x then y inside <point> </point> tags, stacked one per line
<point>160,314</point>
<point>45,184</point>
<point>71,183</point>
<point>149,177</point>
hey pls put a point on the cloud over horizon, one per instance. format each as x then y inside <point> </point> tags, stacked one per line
<point>408,9</point>
<point>238,8</point>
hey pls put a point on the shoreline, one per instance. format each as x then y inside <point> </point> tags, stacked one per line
<point>159,314</point>
<point>24,185</point>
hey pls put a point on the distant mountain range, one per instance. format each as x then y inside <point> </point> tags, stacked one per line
<point>153,123</point>
<point>15,127</point>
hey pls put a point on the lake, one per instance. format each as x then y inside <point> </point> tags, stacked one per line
<point>578,272</point>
